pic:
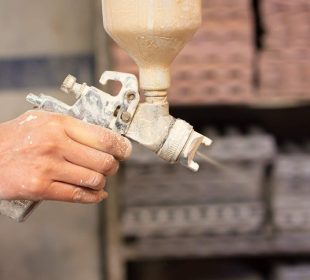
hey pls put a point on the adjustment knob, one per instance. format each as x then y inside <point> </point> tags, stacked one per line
<point>68,84</point>
<point>71,86</point>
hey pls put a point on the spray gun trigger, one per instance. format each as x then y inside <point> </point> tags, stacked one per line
<point>129,81</point>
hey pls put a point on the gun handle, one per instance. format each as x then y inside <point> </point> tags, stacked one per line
<point>18,210</point>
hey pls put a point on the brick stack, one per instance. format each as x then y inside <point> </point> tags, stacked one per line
<point>284,67</point>
<point>165,200</point>
<point>291,192</point>
<point>217,65</point>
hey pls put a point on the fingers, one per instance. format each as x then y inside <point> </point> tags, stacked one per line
<point>68,193</point>
<point>90,158</point>
<point>80,176</point>
<point>98,138</point>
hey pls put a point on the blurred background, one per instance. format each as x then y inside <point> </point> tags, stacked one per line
<point>244,82</point>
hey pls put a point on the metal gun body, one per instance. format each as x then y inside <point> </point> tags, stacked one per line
<point>149,124</point>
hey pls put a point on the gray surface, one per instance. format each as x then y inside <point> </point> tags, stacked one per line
<point>58,242</point>
<point>292,272</point>
<point>261,244</point>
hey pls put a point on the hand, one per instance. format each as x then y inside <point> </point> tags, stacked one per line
<point>47,156</point>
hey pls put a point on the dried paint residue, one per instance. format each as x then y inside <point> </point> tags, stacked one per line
<point>28,119</point>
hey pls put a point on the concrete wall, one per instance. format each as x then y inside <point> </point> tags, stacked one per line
<point>43,28</point>
<point>41,42</point>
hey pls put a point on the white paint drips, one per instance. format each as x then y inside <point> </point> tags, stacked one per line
<point>28,119</point>
<point>29,138</point>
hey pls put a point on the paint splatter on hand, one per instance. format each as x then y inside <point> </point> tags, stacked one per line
<point>47,156</point>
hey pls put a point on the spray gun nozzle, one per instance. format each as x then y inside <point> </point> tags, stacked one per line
<point>191,148</point>
<point>182,145</point>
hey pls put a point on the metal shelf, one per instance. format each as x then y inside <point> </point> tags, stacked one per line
<point>263,244</point>
<point>262,103</point>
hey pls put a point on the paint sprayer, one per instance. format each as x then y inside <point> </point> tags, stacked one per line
<point>152,32</point>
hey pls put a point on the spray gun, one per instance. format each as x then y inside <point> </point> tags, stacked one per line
<point>153,34</point>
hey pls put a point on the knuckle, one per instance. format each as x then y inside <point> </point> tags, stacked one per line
<point>124,148</point>
<point>55,126</point>
<point>108,139</point>
<point>128,149</point>
<point>108,144</point>
<point>104,181</point>
<point>81,196</point>
<point>54,123</point>
<point>77,195</point>
<point>36,187</point>
<point>95,180</point>
<point>50,169</point>
<point>114,137</point>
<point>58,118</point>
<point>49,147</point>
<point>109,165</point>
